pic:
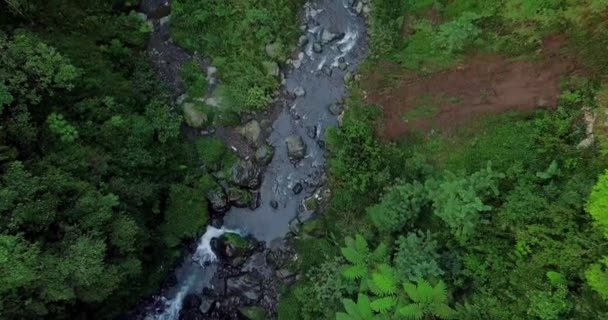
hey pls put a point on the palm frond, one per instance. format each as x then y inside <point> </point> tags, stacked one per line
<point>411,311</point>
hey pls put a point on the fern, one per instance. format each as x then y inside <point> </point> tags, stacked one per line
<point>361,310</point>
<point>360,259</point>
<point>382,283</point>
<point>426,300</point>
<point>383,305</point>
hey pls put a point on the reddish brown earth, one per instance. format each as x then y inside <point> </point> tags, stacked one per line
<point>481,85</point>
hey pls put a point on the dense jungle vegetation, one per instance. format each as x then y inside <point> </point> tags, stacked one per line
<point>99,191</point>
<point>506,219</point>
<point>96,186</point>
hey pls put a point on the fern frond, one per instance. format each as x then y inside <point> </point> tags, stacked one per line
<point>425,291</point>
<point>343,316</point>
<point>383,305</point>
<point>361,244</point>
<point>443,311</point>
<point>351,308</point>
<point>364,306</point>
<point>384,283</point>
<point>440,293</point>
<point>411,311</point>
<point>411,291</point>
<point>354,272</point>
<point>380,253</point>
<point>353,256</point>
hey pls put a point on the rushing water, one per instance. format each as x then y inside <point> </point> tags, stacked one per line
<point>309,117</point>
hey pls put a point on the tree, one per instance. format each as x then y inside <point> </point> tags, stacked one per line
<point>417,257</point>
<point>459,200</point>
<point>426,301</point>
<point>399,207</point>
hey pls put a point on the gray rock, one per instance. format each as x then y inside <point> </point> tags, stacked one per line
<point>251,131</point>
<point>303,41</point>
<point>335,109</point>
<point>296,148</point>
<point>348,77</point>
<point>272,68</point>
<point>297,188</point>
<point>246,285</point>
<point>273,50</point>
<point>343,66</point>
<point>264,154</point>
<point>164,20</point>
<point>181,99</point>
<point>218,199</point>
<point>245,174</point>
<point>359,7</point>
<point>266,125</point>
<point>311,131</point>
<point>274,204</point>
<point>194,118</point>
<point>317,47</point>
<point>299,92</point>
<point>328,36</point>
<point>367,10</point>
<point>205,305</point>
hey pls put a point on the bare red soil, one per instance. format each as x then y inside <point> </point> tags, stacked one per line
<point>481,85</point>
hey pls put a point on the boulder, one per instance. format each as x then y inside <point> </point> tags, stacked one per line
<point>247,286</point>
<point>272,68</point>
<point>218,199</point>
<point>245,174</point>
<point>274,50</point>
<point>239,198</point>
<point>251,132</point>
<point>205,305</point>
<point>274,204</point>
<point>296,148</point>
<point>253,313</point>
<point>343,66</point>
<point>194,118</point>
<point>302,41</point>
<point>233,248</point>
<point>328,36</point>
<point>299,91</point>
<point>317,47</point>
<point>335,109</point>
<point>297,188</point>
<point>263,155</point>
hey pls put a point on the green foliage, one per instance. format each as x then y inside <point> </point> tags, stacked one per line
<point>360,310</point>
<point>597,206</point>
<point>417,258</point>
<point>186,215</point>
<point>426,300</point>
<point>194,79</point>
<point>235,35</point>
<point>459,201</point>
<point>59,126</point>
<point>360,258</point>
<point>399,207</point>
<point>597,277</point>
<point>211,151</point>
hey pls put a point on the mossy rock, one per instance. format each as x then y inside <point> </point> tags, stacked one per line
<point>236,241</point>
<point>253,313</point>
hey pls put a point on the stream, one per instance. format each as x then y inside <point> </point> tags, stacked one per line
<point>334,42</point>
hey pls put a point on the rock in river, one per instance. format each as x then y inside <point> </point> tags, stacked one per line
<point>245,174</point>
<point>296,148</point>
<point>299,91</point>
<point>218,199</point>
<point>264,154</point>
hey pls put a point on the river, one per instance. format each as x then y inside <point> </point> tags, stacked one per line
<point>335,44</point>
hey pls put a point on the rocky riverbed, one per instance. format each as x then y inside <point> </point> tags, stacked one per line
<point>236,267</point>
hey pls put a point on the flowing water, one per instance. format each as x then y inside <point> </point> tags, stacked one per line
<point>322,79</point>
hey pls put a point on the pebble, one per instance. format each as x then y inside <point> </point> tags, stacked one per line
<point>299,91</point>
<point>317,47</point>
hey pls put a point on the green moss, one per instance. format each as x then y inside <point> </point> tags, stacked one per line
<point>236,241</point>
<point>194,79</point>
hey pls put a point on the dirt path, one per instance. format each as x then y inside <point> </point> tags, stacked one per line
<point>481,85</point>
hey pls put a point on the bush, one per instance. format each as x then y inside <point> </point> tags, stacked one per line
<point>194,79</point>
